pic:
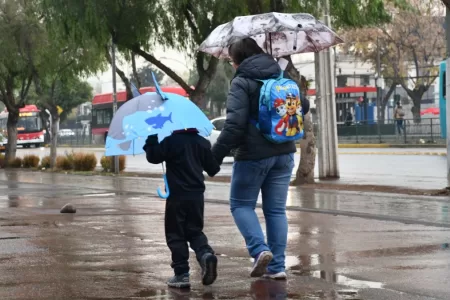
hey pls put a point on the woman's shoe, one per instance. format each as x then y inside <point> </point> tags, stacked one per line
<point>275,276</point>
<point>262,260</point>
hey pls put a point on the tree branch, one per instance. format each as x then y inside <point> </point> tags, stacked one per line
<point>205,79</point>
<point>169,72</point>
<point>416,62</point>
<point>135,73</point>
<point>446,3</point>
<point>187,14</point>
<point>199,62</point>
<point>121,74</point>
<point>24,93</point>
<point>389,94</point>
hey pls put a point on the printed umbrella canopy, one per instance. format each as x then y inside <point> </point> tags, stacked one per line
<point>152,113</point>
<point>149,114</point>
<point>277,33</point>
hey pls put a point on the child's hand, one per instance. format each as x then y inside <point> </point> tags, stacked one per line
<point>152,139</point>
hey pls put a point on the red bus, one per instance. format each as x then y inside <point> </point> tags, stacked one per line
<point>30,129</point>
<point>102,109</point>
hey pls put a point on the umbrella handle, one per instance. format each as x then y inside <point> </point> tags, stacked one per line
<point>160,194</point>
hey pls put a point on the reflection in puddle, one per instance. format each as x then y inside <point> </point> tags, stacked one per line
<point>100,195</point>
<point>304,265</point>
<point>344,280</point>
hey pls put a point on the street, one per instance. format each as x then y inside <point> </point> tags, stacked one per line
<point>392,167</point>
<point>114,248</point>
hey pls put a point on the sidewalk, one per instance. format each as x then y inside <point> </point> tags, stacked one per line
<point>433,211</point>
<point>404,168</point>
<point>114,248</point>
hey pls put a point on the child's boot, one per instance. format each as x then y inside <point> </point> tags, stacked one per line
<point>179,281</point>
<point>209,268</point>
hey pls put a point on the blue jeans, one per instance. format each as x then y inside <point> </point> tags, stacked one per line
<point>400,126</point>
<point>271,176</point>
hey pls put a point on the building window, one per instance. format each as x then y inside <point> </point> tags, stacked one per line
<point>107,116</point>
<point>100,114</point>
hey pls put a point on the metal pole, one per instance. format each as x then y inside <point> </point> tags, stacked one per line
<point>328,141</point>
<point>378,89</point>
<point>113,62</point>
<point>447,85</point>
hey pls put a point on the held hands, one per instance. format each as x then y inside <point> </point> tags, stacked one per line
<point>152,139</point>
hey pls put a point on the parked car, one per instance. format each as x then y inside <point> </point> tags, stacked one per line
<point>218,124</point>
<point>3,142</point>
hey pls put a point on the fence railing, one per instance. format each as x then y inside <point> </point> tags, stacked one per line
<point>79,139</point>
<point>427,131</point>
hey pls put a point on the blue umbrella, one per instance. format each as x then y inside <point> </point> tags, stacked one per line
<point>153,113</point>
<point>134,90</point>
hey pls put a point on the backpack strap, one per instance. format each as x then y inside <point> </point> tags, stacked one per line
<point>281,76</point>
<point>263,81</point>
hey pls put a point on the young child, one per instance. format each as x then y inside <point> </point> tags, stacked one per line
<point>186,155</point>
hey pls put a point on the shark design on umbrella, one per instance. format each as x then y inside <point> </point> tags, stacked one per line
<point>149,114</point>
<point>159,121</point>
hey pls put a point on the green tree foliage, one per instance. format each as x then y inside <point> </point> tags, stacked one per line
<point>67,94</point>
<point>344,13</point>
<point>217,91</point>
<point>136,26</point>
<point>30,53</point>
<point>21,46</point>
<point>143,76</point>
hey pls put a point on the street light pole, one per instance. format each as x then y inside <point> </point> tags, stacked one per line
<point>325,97</point>
<point>114,94</point>
<point>377,84</point>
<point>447,89</point>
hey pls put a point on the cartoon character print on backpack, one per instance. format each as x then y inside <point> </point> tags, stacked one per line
<point>280,117</point>
<point>280,109</point>
<point>291,122</point>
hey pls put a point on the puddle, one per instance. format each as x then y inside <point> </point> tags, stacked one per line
<point>347,281</point>
<point>100,195</point>
<point>150,293</point>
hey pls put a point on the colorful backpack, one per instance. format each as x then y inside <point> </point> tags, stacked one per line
<point>280,111</point>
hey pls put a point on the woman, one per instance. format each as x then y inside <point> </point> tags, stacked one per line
<point>259,164</point>
<point>399,116</point>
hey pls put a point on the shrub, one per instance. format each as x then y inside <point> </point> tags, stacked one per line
<point>15,163</point>
<point>63,163</point>
<point>45,162</point>
<point>70,158</point>
<point>2,161</point>
<point>31,161</point>
<point>84,161</point>
<point>107,163</point>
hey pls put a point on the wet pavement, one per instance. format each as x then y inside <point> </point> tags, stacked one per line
<point>391,167</point>
<point>381,206</point>
<point>113,247</point>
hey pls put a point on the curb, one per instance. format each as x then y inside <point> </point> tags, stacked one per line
<point>392,146</point>
<point>363,146</point>
<point>342,146</point>
<point>396,153</point>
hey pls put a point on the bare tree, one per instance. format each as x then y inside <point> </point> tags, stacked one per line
<point>410,46</point>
